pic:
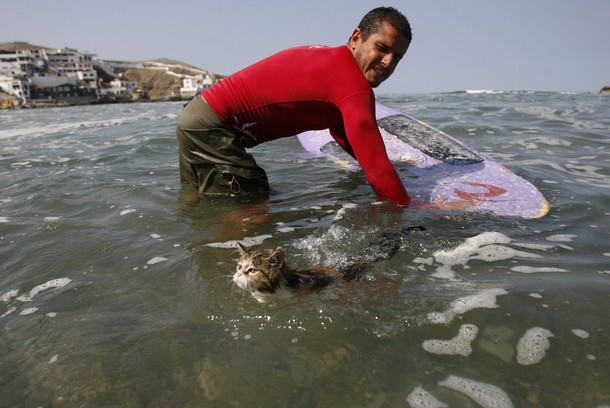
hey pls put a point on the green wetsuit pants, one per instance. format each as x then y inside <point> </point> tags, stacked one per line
<point>212,157</point>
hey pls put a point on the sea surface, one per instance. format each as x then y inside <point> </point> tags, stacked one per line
<point>115,286</point>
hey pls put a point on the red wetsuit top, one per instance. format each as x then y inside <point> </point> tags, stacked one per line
<point>309,88</point>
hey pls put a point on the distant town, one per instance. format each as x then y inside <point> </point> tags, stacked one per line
<point>36,76</point>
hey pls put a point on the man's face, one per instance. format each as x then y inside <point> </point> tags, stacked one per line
<point>378,55</point>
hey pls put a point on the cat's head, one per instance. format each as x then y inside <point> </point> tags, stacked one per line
<point>259,270</point>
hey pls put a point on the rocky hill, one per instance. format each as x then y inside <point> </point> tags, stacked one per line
<point>161,79</point>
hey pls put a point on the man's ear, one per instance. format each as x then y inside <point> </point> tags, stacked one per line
<point>355,39</point>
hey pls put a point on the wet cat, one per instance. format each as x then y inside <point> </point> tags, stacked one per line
<point>266,272</point>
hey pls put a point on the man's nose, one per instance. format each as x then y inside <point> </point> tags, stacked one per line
<point>388,60</point>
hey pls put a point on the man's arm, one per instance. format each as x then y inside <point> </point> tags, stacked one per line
<point>364,142</point>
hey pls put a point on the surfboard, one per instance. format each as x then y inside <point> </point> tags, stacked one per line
<point>437,168</point>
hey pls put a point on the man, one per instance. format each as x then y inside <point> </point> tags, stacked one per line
<point>299,89</point>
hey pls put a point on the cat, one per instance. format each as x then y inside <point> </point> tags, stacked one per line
<point>263,272</point>
<point>267,272</point>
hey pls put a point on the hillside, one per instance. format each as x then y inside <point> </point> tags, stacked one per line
<point>158,79</point>
<point>20,45</point>
<point>157,85</point>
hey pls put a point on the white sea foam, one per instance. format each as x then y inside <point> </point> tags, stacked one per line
<point>483,91</point>
<point>64,128</point>
<point>462,253</point>
<point>127,211</point>
<point>486,299</point>
<point>341,212</point>
<point>28,311</point>
<point>10,295</point>
<point>531,269</point>
<point>285,229</point>
<point>583,334</point>
<point>532,347</point>
<point>420,398</point>
<point>247,241</point>
<point>3,220</point>
<point>8,312</point>
<point>156,260</point>
<point>486,395</point>
<point>492,253</point>
<point>423,261</point>
<point>52,284</point>
<point>561,238</point>
<point>483,247</point>
<point>459,345</point>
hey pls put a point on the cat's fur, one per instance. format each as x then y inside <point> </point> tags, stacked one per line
<point>266,271</point>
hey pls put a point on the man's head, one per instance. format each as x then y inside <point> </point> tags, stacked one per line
<point>379,43</point>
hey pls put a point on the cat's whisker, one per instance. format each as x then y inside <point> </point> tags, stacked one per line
<point>228,276</point>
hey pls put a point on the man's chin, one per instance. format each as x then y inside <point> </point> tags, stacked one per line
<point>375,84</point>
<point>375,81</point>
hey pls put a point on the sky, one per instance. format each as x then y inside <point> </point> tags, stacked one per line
<point>540,45</point>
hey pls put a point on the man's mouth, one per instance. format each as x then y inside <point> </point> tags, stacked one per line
<point>380,71</point>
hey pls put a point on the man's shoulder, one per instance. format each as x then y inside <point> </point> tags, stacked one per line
<point>331,61</point>
<point>318,49</point>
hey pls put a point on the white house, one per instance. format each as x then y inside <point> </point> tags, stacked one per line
<point>73,63</point>
<point>119,87</point>
<point>14,87</point>
<point>196,83</point>
<point>22,63</point>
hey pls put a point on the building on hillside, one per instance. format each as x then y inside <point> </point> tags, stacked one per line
<point>119,88</point>
<point>40,74</point>
<point>64,92</point>
<point>122,65</point>
<point>22,63</point>
<point>191,85</point>
<point>16,88</point>
<point>72,63</point>
<point>52,79</point>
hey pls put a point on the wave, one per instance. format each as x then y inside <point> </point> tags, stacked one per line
<point>482,91</point>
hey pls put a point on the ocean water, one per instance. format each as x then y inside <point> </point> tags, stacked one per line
<point>115,282</point>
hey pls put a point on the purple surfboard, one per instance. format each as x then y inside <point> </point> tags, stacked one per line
<point>439,169</point>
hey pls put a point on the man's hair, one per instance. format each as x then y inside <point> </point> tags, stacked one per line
<point>371,22</point>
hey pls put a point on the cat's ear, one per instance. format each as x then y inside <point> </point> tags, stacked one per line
<point>242,249</point>
<point>277,256</point>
